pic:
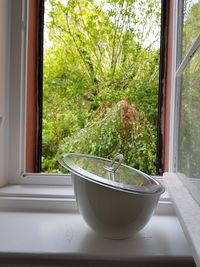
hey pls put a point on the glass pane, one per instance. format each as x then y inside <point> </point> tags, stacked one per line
<point>189,134</point>
<point>96,167</point>
<point>191,23</point>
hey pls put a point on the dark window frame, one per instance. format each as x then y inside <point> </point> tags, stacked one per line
<point>34,86</point>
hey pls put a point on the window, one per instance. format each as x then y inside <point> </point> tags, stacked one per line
<point>99,72</point>
<point>14,144</point>
<point>21,153</point>
<point>183,102</point>
<point>182,177</point>
<point>187,95</point>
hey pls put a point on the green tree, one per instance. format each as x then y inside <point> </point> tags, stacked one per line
<point>100,54</point>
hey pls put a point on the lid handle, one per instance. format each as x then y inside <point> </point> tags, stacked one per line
<point>118,158</point>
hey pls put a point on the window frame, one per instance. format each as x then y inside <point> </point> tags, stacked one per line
<point>162,108</point>
<point>21,113</point>
<point>17,118</point>
<point>160,154</point>
<point>178,67</point>
<point>185,202</point>
<point>19,67</point>
<point>179,64</point>
<point>17,94</point>
<point>33,67</point>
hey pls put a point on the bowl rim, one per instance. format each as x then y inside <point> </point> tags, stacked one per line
<point>113,185</point>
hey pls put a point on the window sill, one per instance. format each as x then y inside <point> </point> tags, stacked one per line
<point>41,198</point>
<point>37,191</point>
<point>188,212</point>
<point>42,223</point>
<point>55,238</point>
<point>33,197</point>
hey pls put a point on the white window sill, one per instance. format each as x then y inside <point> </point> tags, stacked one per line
<point>37,191</point>
<point>50,237</point>
<point>188,212</point>
<point>37,198</point>
<point>49,189</point>
<point>40,197</point>
<point>42,223</point>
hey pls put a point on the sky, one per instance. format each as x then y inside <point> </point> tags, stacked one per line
<point>106,7</point>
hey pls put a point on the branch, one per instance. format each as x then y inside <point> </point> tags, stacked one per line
<point>117,21</point>
<point>78,49</point>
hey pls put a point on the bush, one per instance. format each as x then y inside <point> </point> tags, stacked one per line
<point>117,129</point>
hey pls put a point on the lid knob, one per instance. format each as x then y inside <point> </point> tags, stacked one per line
<point>118,159</point>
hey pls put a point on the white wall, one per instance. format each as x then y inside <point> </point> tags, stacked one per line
<point>4,86</point>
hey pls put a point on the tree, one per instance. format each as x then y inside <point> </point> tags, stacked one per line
<point>101,54</point>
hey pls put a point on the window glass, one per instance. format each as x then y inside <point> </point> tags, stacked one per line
<point>189,134</point>
<point>187,130</point>
<point>191,23</point>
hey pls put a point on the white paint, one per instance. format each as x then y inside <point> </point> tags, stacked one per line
<point>37,191</point>
<point>12,84</point>
<point>52,197</point>
<point>17,90</point>
<point>45,178</point>
<point>173,108</point>
<point>4,87</point>
<point>100,206</point>
<point>188,211</point>
<point>66,236</point>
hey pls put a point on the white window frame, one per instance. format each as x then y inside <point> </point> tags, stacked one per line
<point>17,116</point>
<point>174,101</point>
<point>173,110</point>
<point>17,108</point>
<point>186,206</point>
<point>16,174</point>
<point>18,190</point>
<point>177,71</point>
<point>21,188</point>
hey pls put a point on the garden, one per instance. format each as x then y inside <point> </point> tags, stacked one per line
<point>100,80</point>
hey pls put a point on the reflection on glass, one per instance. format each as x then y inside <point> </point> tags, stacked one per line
<point>123,175</point>
<point>191,23</point>
<point>189,135</point>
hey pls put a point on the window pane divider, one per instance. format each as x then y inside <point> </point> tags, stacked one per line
<point>189,55</point>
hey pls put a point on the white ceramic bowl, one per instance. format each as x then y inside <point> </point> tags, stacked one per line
<point>113,212</point>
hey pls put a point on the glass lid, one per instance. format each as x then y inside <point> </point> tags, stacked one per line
<point>110,173</point>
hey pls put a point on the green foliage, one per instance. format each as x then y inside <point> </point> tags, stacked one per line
<point>191,24</point>
<point>189,149</point>
<point>104,137</point>
<point>189,123</point>
<point>98,56</point>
